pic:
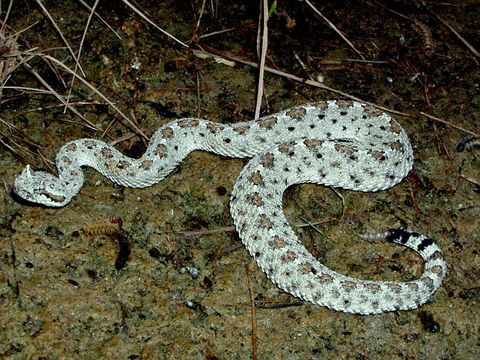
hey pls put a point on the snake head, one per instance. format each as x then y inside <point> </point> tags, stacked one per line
<point>41,188</point>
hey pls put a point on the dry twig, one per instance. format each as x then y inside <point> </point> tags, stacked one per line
<point>414,200</point>
<point>326,87</point>
<point>460,37</point>
<point>254,318</point>
<point>101,19</point>
<point>447,123</point>
<point>70,50</point>
<point>147,19</point>
<point>263,55</point>
<point>311,83</point>
<point>470,180</point>
<point>77,64</point>
<point>332,25</point>
<point>86,83</point>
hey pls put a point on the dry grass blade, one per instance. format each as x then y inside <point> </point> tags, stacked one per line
<point>28,89</point>
<point>311,83</point>
<point>94,89</point>
<point>33,90</point>
<point>11,148</point>
<point>23,90</point>
<point>215,33</point>
<point>325,87</point>
<point>80,47</point>
<point>58,96</point>
<point>13,59</point>
<point>21,134</point>
<point>8,63</point>
<point>460,37</point>
<point>152,23</point>
<point>263,55</point>
<point>2,29</point>
<point>254,317</point>
<point>388,9</point>
<point>18,59</point>
<point>8,141</point>
<point>10,55</point>
<point>470,180</point>
<point>200,16</point>
<point>332,25</point>
<point>100,18</point>
<point>47,14</point>
<point>447,123</point>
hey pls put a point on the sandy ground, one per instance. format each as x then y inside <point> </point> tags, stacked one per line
<point>186,295</point>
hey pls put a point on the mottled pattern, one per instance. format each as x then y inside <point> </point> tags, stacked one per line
<point>339,143</point>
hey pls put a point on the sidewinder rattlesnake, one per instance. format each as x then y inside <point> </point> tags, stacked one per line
<point>339,143</point>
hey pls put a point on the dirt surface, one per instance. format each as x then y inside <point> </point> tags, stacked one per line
<point>75,286</point>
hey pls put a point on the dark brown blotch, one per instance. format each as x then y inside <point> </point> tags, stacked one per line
<point>214,127</point>
<point>167,133</point>
<point>437,270</point>
<point>427,282</point>
<point>324,278</point>
<point>348,285</point>
<point>412,286</point>
<point>311,144</point>
<point>255,199</point>
<point>267,123</point>
<point>395,127</point>
<point>241,130</point>
<point>378,155</point>
<point>107,153</point>
<point>277,243</point>
<point>345,149</point>
<point>286,147</point>
<point>374,287</point>
<point>265,222</point>
<point>89,143</point>
<point>394,287</point>
<point>436,255</point>
<point>257,178</point>
<point>307,268</point>
<point>161,150</point>
<point>145,165</point>
<point>66,160</point>
<point>289,256</point>
<point>267,160</point>
<point>182,123</point>
<point>371,111</point>
<point>322,105</point>
<point>344,104</point>
<point>123,165</point>
<point>296,112</point>
<point>71,147</point>
<point>397,145</point>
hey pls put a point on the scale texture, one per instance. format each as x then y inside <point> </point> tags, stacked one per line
<point>337,143</point>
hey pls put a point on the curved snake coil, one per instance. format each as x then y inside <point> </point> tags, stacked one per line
<point>339,143</point>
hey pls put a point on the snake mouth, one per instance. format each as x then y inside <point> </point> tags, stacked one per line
<point>53,199</point>
<point>39,196</point>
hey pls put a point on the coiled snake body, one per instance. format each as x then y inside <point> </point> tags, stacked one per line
<point>339,143</point>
